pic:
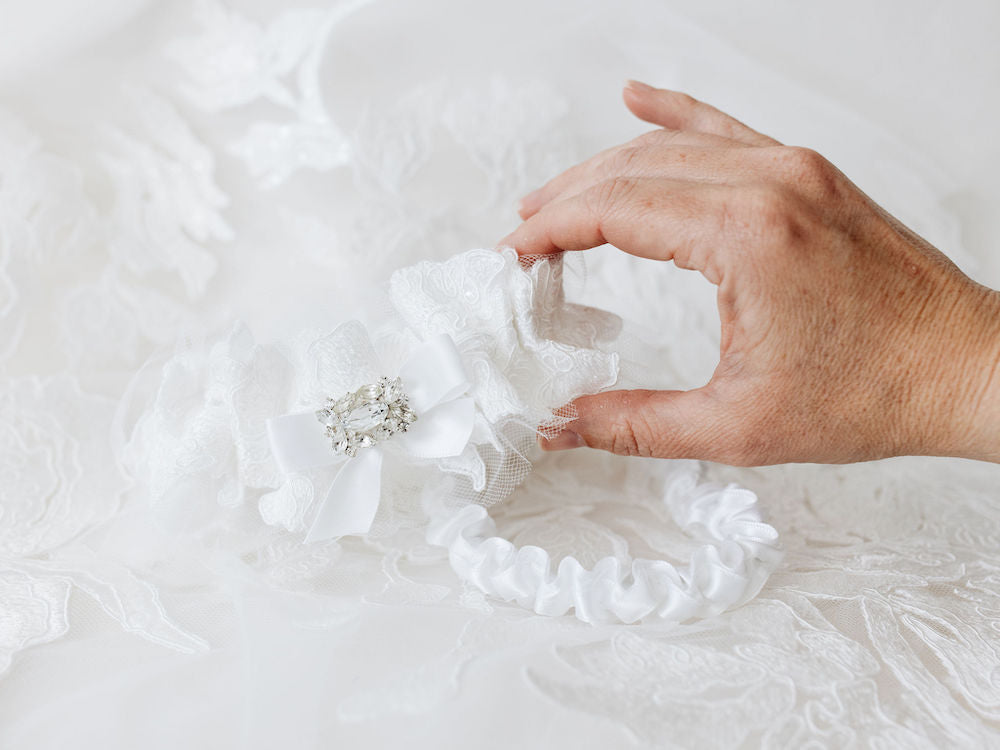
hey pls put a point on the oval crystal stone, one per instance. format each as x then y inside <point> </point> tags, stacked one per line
<point>371,414</point>
<point>365,417</point>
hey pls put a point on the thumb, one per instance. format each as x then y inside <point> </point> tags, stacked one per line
<point>665,424</point>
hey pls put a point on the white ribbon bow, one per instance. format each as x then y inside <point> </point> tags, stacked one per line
<point>434,380</point>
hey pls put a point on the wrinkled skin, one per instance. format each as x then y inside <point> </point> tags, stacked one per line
<point>845,336</point>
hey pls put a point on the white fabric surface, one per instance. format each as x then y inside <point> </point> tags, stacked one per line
<point>169,169</point>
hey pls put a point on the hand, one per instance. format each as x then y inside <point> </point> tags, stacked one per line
<point>845,336</point>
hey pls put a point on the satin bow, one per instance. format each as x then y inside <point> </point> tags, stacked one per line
<point>434,380</point>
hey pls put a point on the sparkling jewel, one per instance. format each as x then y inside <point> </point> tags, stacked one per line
<point>371,414</point>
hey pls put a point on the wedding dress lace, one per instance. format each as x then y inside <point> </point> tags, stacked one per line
<point>185,166</point>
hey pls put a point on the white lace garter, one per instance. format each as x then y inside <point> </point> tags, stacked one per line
<point>431,416</point>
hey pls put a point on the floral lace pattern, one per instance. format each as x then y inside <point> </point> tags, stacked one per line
<point>268,162</point>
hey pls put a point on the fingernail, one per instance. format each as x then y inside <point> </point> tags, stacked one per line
<point>638,86</point>
<point>563,441</point>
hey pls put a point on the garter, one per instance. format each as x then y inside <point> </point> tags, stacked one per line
<point>443,403</point>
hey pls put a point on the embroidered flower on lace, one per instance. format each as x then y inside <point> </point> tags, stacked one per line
<point>57,485</point>
<point>166,201</point>
<point>34,612</point>
<point>53,485</point>
<point>46,224</point>
<point>234,62</point>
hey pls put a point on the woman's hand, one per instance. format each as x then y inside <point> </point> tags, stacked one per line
<point>845,336</point>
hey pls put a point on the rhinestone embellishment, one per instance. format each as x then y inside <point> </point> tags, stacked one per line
<point>371,414</point>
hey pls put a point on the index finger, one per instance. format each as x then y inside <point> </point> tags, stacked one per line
<point>655,218</point>
<point>679,111</point>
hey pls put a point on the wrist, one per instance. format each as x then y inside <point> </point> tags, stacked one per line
<point>966,379</point>
<point>984,401</point>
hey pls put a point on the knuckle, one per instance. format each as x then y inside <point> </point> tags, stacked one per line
<point>801,160</point>
<point>632,437</point>
<point>626,159</point>
<point>664,137</point>
<point>774,213</point>
<point>632,434</point>
<point>610,195</point>
<point>681,99</point>
<point>766,205</point>
<point>656,139</point>
<point>650,138</point>
<point>807,169</point>
<point>623,439</point>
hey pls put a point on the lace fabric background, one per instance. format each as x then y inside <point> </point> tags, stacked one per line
<point>169,169</point>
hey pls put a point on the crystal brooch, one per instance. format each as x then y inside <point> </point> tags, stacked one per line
<point>370,415</point>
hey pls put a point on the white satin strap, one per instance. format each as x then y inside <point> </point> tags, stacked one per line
<point>726,572</point>
<point>442,431</point>
<point>352,501</point>
<point>299,442</point>
<point>434,373</point>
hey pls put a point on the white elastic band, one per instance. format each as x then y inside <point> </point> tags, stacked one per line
<point>730,569</point>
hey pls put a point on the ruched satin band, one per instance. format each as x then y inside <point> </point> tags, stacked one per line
<point>740,552</point>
